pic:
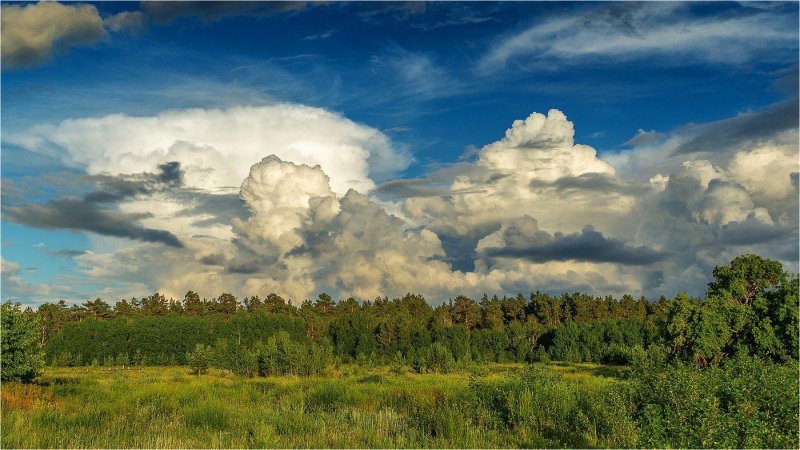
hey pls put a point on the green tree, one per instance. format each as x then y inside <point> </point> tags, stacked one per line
<point>227,303</point>
<point>252,303</point>
<point>155,305</point>
<point>98,309</point>
<point>192,305</point>
<point>325,305</point>
<point>51,317</point>
<point>121,309</point>
<point>22,355</point>
<point>439,358</point>
<point>276,304</point>
<point>746,278</point>
<point>751,307</point>
<point>466,311</point>
<point>200,359</point>
<point>492,312</point>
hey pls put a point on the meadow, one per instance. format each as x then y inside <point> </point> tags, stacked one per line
<point>544,372</point>
<point>168,407</point>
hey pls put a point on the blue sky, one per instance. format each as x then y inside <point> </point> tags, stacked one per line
<point>439,80</point>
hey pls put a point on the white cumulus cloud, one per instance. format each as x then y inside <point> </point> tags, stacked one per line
<point>216,147</point>
<point>31,33</point>
<point>534,210</point>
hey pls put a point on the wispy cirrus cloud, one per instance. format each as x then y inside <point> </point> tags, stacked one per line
<point>666,33</point>
<point>418,74</point>
<point>165,11</point>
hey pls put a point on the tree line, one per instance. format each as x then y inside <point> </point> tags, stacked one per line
<point>750,307</point>
<point>717,371</point>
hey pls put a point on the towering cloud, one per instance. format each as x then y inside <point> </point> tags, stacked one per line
<point>308,239</point>
<point>517,175</point>
<point>216,147</point>
<point>534,210</point>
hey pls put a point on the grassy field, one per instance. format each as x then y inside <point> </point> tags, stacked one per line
<point>169,407</point>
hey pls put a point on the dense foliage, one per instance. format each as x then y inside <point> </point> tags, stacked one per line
<point>751,308</point>
<point>22,357</point>
<point>743,402</point>
<point>720,371</point>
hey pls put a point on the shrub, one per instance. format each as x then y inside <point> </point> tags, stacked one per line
<point>200,359</point>
<point>541,355</point>
<point>620,354</point>
<point>22,355</point>
<point>439,359</point>
<point>744,402</point>
<point>281,355</point>
<point>541,404</point>
<point>234,356</point>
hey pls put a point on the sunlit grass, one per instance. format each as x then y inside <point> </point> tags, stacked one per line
<point>162,407</point>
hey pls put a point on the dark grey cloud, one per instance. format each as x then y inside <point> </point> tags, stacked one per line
<point>418,187</point>
<point>165,12</point>
<point>788,80</point>
<point>89,199</point>
<point>84,215</point>
<point>171,173</point>
<point>437,182</point>
<point>460,250</point>
<point>93,211</point>
<point>654,280</point>
<point>12,192</point>
<point>588,245</point>
<point>244,267</point>
<point>67,252</point>
<point>218,208</point>
<point>591,182</point>
<point>114,188</point>
<point>752,231</point>
<point>213,259</point>
<point>732,133</point>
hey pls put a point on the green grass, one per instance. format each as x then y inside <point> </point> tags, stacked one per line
<point>167,407</point>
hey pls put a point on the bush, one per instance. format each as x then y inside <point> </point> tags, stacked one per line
<point>22,355</point>
<point>233,356</point>
<point>200,359</point>
<point>439,359</point>
<point>281,355</point>
<point>742,403</point>
<point>620,354</point>
<point>556,412</point>
<point>541,355</point>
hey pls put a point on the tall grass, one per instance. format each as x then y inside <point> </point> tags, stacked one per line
<point>556,405</point>
<point>169,407</point>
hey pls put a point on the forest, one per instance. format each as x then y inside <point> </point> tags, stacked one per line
<point>717,371</point>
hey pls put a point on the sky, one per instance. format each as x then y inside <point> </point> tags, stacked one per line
<point>378,148</point>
